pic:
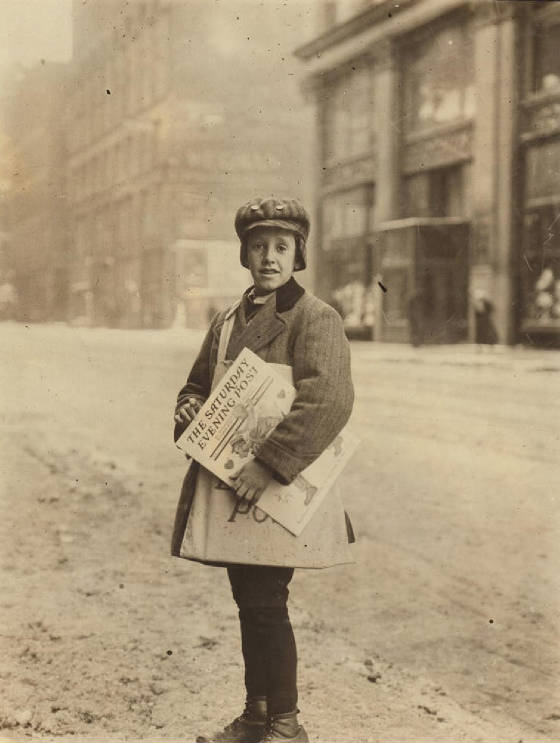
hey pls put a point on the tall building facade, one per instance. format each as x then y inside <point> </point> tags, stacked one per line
<point>438,153</point>
<point>36,225</point>
<point>176,118</point>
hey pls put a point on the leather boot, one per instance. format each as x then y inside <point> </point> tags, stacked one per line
<point>285,727</point>
<point>249,727</point>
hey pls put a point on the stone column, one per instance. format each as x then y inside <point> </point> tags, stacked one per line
<point>387,132</point>
<point>494,146</point>
<point>387,147</point>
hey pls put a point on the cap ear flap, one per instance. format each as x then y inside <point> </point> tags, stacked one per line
<point>299,262</point>
<point>243,254</point>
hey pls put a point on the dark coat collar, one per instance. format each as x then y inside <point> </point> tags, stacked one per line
<point>268,322</point>
<point>286,296</point>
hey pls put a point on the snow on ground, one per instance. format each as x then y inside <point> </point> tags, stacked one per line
<point>445,628</point>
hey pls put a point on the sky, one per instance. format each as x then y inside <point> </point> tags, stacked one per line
<point>31,30</point>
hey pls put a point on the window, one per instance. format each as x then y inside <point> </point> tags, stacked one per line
<point>437,193</point>
<point>347,219</point>
<point>348,116</point>
<point>347,214</point>
<point>542,168</point>
<point>540,265</point>
<point>438,75</point>
<point>546,57</point>
<point>395,301</point>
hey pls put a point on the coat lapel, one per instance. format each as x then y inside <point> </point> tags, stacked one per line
<point>259,332</point>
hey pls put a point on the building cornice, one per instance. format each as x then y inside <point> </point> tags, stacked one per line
<point>374,15</point>
<point>371,28</point>
<point>490,13</point>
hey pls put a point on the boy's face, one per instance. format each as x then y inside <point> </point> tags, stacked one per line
<point>271,254</point>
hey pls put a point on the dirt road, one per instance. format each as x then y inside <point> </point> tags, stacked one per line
<point>445,629</point>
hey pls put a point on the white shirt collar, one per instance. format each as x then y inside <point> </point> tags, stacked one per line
<point>259,298</point>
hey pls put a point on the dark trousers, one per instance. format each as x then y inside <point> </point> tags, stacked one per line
<point>267,638</point>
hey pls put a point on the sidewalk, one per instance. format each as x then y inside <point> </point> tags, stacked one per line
<point>466,354</point>
<point>189,340</point>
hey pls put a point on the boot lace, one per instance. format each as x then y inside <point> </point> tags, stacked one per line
<point>270,734</point>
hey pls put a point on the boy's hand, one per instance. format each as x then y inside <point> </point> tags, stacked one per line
<point>188,411</point>
<point>251,480</point>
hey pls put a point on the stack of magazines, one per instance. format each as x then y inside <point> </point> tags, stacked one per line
<point>243,409</point>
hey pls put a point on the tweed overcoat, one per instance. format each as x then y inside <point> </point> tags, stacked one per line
<point>300,330</point>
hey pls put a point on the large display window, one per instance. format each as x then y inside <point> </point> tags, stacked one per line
<point>438,78</point>
<point>347,218</point>
<point>348,114</point>
<point>423,265</point>
<point>540,269</point>
<point>546,67</point>
<point>539,260</point>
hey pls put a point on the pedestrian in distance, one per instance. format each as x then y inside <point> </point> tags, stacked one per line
<point>485,330</point>
<point>285,325</point>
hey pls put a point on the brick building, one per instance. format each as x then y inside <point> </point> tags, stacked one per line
<point>437,166</point>
<point>178,114</point>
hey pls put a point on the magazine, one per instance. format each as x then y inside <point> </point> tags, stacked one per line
<point>242,411</point>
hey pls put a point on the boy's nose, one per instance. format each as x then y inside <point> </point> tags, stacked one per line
<point>267,254</point>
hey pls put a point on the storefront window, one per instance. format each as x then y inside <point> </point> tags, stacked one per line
<point>439,75</point>
<point>347,214</point>
<point>437,193</point>
<point>541,265</point>
<point>347,219</point>
<point>348,116</point>
<point>547,58</point>
<point>543,166</point>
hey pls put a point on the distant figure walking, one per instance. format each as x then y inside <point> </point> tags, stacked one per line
<point>485,330</point>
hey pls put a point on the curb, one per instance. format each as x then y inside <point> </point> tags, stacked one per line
<point>498,357</point>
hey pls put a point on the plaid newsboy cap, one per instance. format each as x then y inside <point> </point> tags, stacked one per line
<point>288,214</point>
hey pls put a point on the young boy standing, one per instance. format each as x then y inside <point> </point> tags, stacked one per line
<point>283,324</point>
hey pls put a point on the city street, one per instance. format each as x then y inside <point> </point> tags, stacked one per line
<point>445,628</point>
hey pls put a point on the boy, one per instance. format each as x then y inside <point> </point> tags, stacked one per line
<point>283,324</point>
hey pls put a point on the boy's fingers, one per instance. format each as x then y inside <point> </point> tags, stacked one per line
<point>187,412</point>
<point>252,495</point>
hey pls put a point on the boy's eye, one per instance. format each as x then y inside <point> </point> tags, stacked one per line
<point>281,248</point>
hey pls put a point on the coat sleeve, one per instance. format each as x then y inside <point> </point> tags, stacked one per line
<point>324,396</point>
<point>198,382</point>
